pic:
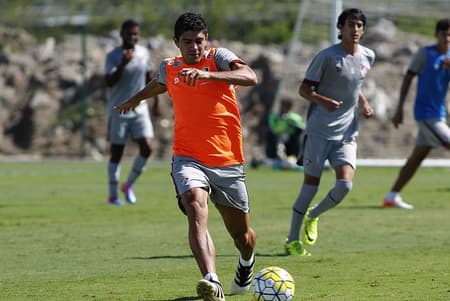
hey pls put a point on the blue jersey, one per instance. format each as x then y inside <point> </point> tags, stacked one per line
<point>432,85</point>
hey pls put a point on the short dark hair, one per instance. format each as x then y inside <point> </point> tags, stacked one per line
<point>128,23</point>
<point>442,25</point>
<point>190,22</point>
<point>353,14</point>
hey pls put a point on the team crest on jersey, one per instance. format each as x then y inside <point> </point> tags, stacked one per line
<point>339,62</point>
<point>176,63</point>
<point>364,70</point>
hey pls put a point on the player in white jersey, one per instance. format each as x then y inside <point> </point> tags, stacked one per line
<point>128,68</point>
<point>333,86</point>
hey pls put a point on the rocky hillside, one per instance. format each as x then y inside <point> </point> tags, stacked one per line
<point>41,92</point>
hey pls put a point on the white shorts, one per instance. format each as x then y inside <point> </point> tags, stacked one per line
<point>226,185</point>
<point>433,133</point>
<point>121,128</point>
<point>317,150</point>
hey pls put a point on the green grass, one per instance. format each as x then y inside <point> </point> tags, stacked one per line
<point>60,241</point>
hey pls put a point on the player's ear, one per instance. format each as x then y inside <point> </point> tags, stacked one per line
<point>176,41</point>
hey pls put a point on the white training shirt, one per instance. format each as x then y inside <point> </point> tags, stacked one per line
<point>340,76</point>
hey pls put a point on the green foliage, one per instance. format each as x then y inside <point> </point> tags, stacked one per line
<point>60,241</point>
<point>423,26</point>
<point>263,22</point>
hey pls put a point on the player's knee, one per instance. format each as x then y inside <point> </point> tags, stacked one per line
<point>341,189</point>
<point>145,151</point>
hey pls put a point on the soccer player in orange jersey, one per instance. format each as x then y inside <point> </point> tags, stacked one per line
<point>207,148</point>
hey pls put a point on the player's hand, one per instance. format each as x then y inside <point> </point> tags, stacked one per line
<point>127,55</point>
<point>126,106</point>
<point>397,119</point>
<point>332,105</point>
<point>446,63</point>
<point>367,111</point>
<point>190,75</point>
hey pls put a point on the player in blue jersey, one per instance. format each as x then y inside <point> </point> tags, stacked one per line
<point>432,66</point>
<point>332,85</point>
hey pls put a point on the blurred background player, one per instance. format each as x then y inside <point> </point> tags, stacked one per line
<point>432,66</point>
<point>283,138</point>
<point>128,68</point>
<point>332,85</point>
<point>207,149</point>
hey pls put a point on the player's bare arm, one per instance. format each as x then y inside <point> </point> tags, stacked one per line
<point>365,106</point>
<point>397,119</point>
<point>308,91</point>
<point>152,89</point>
<point>240,74</point>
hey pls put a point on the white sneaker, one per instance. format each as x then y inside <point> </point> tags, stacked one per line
<point>398,203</point>
<point>210,290</point>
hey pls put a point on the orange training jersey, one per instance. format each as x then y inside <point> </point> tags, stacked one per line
<point>207,119</point>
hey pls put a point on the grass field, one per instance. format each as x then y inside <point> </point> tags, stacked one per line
<point>60,241</point>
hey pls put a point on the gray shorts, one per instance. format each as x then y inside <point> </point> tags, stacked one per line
<point>433,133</point>
<point>121,128</point>
<point>226,185</point>
<point>318,150</point>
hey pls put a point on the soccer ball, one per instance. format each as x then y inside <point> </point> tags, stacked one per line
<point>273,284</point>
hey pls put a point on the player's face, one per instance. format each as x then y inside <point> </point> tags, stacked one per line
<point>130,37</point>
<point>443,38</point>
<point>192,45</point>
<point>352,30</point>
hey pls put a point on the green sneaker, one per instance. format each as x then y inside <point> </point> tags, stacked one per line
<point>295,247</point>
<point>309,233</point>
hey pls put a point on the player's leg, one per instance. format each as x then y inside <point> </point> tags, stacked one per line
<point>229,194</point>
<point>393,198</point>
<point>192,187</point>
<point>117,134</point>
<point>195,203</point>
<point>432,133</point>
<point>116,151</point>
<point>140,127</point>
<point>342,156</point>
<point>314,155</point>
<point>237,223</point>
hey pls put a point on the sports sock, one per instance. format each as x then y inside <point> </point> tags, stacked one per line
<point>137,168</point>
<point>301,204</point>
<point>334,197</point>
<point>211,276</point>
<point>391,196</point>
<point>113,178</point>
<point>246,263</point>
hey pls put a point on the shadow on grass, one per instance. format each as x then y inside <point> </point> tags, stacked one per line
<point>364,207</point>
<point>176,299</point>
<point>191,256</point>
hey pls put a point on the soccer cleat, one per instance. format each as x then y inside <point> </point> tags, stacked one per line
<point>113,200</point>
<point>309,233</point>
<point>243,279</point>
<point>129,193</point>
<point>210,290</point>
<point>398,203</point>
<point>295,247</point>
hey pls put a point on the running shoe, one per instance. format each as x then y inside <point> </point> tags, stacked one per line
<point>295,247</point>
<point>397,203</point>
<point>309,233</point>
<point>210,290</point>
<point>243,279</point>
<point>113,200</point>
<point>129,193</point>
